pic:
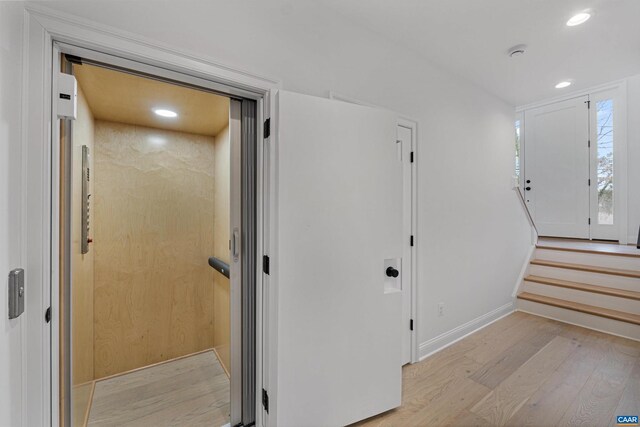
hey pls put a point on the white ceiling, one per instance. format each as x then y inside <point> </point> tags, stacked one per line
<point>472,37</point>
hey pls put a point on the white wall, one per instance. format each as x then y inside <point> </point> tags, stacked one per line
<point>633,146</point>
<point>10,212</point>
<point>473,236</point>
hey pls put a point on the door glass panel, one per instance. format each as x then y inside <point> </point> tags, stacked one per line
<point>604,119</point>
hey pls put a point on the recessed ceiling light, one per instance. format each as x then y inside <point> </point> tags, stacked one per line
<point>165,113</point>
<point>563,84</point>
<point>579,18</point>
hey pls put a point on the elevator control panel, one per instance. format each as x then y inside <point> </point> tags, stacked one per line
<point>16,293</point>
<point>67,102</point>
<point>85,204</point>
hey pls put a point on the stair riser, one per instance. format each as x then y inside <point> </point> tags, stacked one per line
<point>590,321</point>
<point>588,298</point>
<point>608,280</point>
<point>610,261</point>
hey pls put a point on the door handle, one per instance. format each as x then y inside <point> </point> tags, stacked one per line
<point>235,251</point>
<point>392,272</point>
<point>528,188</point>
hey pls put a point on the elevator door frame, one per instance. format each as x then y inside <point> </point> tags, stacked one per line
<point>253,106</point>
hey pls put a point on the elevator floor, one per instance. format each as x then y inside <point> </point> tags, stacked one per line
<point>191,391</point>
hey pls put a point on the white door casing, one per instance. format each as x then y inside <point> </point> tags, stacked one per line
<point>557,167</point>
<point>407,132</point>
<point>43,29</point>
<point>406,148</point>
<point>339,186</point>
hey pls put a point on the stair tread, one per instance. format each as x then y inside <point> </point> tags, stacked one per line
<point>583,308</point>
<point>590,268</point>
<point>586,250</point>
<point>622,293</point>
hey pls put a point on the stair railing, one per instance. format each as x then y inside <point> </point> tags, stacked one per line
<point>534,229</point>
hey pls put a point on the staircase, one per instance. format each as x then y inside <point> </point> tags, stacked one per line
<point>592,285</point>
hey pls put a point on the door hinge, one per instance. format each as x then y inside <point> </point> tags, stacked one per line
<point>411,324</point>
<point>589,143</point>
<point>589,182</point>
<point>588,104</point>
<point>589,221</point>
<point>265,264</point>
<point>265,400</point>
<point>47,315</point>
<point>411,157</point>
<point>411,240</point>
<point>266,130</point>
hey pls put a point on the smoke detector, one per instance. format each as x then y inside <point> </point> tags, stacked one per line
<point>517,50</point>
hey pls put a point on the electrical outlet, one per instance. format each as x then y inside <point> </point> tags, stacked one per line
<point>441,309</point>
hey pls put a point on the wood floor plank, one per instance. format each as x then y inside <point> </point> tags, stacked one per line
<point>630,400</point>
<point>422,388</point>
<point>440,390</point>
<point>186,391</point>
<point>507,399</point>
<point>467,418</point>
<point>598,398</point>
<point>547,406</point>
<point>443,407</point>
<point>495,344</point>
<point>494,372</point>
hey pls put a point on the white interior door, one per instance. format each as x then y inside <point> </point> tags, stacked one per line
<point>557,168</point>
<point>339,227</point>
<point>405,141</point>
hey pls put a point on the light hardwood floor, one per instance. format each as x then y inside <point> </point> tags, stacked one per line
<point>522,370</point>
<point>192,391</point>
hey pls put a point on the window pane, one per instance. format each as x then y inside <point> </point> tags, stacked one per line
<point>604,119</point>
<point>517,165</point>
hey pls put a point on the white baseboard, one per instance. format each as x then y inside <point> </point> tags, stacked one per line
<point>443,341</point>
<point>633,239</point>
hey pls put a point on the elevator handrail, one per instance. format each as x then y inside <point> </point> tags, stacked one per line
<point>220,266</point>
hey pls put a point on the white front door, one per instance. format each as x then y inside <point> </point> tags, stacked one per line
<point>338,211</point>
<point>557,168</point>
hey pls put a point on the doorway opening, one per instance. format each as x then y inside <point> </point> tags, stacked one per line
<point>574,175</point>
<point>157,236</point>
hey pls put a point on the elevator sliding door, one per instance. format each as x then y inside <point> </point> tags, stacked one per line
<point>242,130</point>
